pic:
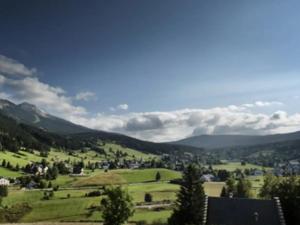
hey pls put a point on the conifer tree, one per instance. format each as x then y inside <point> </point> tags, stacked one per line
<point>190,199</point>
<point>157,176</point>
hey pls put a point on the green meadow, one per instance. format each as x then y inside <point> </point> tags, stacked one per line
<point>22,157</point>
<point>232,166</point>
<point>70,205</point>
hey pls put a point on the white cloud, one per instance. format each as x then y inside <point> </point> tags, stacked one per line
<point>85,96</point>
<point>173,125</point>
<point>119,107</point>
<point>49,98</point>
<point>4,95</point>
<point>10,66</point>
<point>262,104</point>
<point>123,106</point>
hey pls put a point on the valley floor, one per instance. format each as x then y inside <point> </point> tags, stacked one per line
<point>70,204</point>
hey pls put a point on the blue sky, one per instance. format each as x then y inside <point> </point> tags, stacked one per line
<point>120,59</point>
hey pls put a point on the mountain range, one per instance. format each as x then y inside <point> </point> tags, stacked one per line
<point>42,127</point>
<point>225,141</point>
<point>29,114</point>
<point>27,125</point>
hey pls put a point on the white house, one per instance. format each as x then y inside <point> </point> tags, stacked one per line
<point>4,182</point>
<point>207,178</point>
<point>258,173</point>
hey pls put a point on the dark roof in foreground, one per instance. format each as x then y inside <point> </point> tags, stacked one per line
<point>242,211</point>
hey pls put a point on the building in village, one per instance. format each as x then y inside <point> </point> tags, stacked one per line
<point>291,167</point>
<point>4,182</point>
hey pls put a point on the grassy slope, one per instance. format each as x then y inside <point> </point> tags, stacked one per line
<point>131,152</point>
<point>124,176</point>
<point>61,208</point>
<point>22,158</point>
<point>236,165</point>
<point>8,173</point>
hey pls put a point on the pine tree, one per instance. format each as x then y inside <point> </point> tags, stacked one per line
<point>17,168</point>
<point>224,192</point>
<point>3,163</point>
<point>157,176</point>
<point>190,199</point>
<point>231,186</point>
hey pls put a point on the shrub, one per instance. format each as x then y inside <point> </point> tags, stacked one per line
<point>93,194</point>
<point>3,191</point>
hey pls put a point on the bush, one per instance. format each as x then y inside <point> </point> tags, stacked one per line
<point>56,188</point>
<point>142,222</point>
<point>93,194</point>
<point>14,213</point>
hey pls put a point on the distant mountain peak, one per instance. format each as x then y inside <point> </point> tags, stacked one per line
<point>30,114</point>
<point>32,108</point>
<point>5,103</point>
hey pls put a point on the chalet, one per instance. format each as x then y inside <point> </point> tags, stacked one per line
<point>78,172</point>
<point>242,211</point>
<point>38,169</point>
<point>257,173</point>
<point>4,182</point>
<point>134,165</point>
<point>42,170</point>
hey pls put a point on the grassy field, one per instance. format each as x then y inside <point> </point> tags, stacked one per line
<point>8,173</point>
<point>108,147</point>
<point>232,166</point>
<point>75,208</point>
<point>22,158</point>
<point>125,176</point>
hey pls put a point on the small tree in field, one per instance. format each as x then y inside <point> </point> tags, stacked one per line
<point>157,176</point>
<point>3,191</point>
<point>243,188</point>
<point>148,197</point>
<point>117,207</point>
<point>190,200</point>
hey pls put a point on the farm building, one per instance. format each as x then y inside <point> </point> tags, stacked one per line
<point>4,182</point>
<point>237,211</point>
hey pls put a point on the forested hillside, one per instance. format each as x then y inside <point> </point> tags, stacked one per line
<point>14,135</point>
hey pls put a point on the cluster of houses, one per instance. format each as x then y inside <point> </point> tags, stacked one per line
<point>291,167</point>
<point>128,164</point>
